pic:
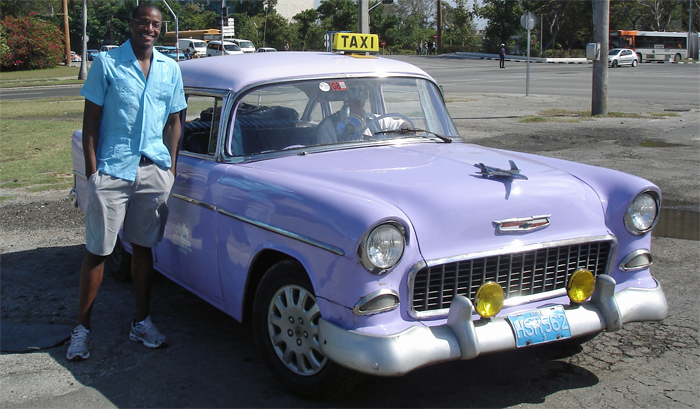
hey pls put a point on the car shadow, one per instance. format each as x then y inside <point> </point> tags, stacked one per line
<point>212,361</point>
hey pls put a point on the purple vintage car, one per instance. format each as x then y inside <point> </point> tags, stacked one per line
<point>329,199</point>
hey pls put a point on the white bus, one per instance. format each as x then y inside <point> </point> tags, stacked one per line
<point>656,45</point>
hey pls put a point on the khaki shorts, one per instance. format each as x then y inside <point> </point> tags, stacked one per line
<point>140,207</point>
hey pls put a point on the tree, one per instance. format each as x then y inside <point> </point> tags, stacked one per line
<point>31,43</point>
<point>308,31</point>
<point>338,15</point>
<point>193,17</point>
<point>423,10</point>
<point>504,21</point>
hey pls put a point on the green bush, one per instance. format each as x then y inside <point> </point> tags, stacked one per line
<point>31,44</point>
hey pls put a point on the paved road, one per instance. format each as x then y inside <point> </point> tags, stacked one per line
<point>679,83</point>
<point>212,361</point>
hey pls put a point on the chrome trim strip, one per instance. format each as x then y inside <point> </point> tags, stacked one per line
<point>286,233</point>
<point>194,201</point>
<point>634,254</point>
<point>413,271</point>
<point>369,297</point>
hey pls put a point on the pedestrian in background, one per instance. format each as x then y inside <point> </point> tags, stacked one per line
<point>131,129</point>
<point>502,56</point>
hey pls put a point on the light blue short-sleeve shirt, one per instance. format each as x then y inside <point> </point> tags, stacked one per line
<point>134,110</point>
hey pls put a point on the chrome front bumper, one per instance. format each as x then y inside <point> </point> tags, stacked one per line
<point>463,338</point>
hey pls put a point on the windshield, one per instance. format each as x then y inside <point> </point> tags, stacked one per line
<point>231,47</point>
<point>246,44</point>
<point>199,44</point>
<point>328,112</point>
<point>614,52</point>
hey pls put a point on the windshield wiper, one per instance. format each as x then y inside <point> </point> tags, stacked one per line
<point>414,131</point>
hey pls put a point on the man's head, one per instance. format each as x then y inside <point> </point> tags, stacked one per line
<point>357,96</point>
<point>146,21</point>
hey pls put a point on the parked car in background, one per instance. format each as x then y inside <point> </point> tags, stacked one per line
<point>105,48</point>
<point>191,45</point>
<point>74,57</point>
<point>245,45</point>
<point>216,47</point>
<point>171,52</point>
<point>91,54</point>
<point>266,50</point>
<point>330,200</point>
<point>622,56</point>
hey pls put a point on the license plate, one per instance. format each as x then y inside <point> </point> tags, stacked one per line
<point>540,326</point>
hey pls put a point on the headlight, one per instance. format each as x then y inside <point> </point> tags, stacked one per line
<point>382,248</point>
<point>641,215</point>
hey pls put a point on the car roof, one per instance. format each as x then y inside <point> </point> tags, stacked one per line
<point>232,73</point>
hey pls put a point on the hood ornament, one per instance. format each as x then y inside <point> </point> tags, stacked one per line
<point>489,172</point>
<point>522,225</point>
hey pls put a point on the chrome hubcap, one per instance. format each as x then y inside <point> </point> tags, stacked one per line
<point>293,326</point>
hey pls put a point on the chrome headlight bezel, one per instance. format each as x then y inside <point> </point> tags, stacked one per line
<point>371,256</point>
<point>642,213</point>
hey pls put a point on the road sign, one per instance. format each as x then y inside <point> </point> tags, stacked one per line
<point>528,20</point>
<point>383,43</point>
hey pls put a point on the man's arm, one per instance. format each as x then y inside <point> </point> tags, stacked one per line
<point>91,133</point>
<point>171,137</point>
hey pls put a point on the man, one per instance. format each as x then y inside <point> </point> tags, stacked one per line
<point>131,129</point>
<point>502,56</point>
<point>353,123</point>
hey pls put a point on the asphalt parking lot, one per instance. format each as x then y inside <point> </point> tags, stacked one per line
<point>212,361</point>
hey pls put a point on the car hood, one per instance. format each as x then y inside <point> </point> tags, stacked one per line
<point>438,189</point>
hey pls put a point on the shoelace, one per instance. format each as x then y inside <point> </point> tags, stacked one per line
<point>147,328</point>
<point>79,336</point>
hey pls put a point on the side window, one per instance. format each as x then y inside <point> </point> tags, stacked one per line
<point>201,124</point>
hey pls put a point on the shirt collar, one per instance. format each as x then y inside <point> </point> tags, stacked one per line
<point>128,53</point>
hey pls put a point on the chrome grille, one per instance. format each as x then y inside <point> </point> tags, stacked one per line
<point>519,274</point>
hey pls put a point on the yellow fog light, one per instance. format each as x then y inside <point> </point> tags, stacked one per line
<point>489,299</point>
<point>580,286</point>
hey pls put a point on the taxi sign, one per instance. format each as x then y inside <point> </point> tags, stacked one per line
<point>355,42</point>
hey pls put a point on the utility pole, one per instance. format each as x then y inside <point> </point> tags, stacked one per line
<point>83,64</point>
<point>438,46</point>
<point>363,16</point>
<point>601,35</point>
<point>66,31</point>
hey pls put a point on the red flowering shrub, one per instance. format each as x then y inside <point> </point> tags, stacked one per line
<point>31,44</point>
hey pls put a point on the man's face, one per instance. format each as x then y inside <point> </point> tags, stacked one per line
<point>145,28</point>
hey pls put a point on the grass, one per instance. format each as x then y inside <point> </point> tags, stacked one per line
<point>36,142</point>
<point>50,76</point>
<point>562,115</point>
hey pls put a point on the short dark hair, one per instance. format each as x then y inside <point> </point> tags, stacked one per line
<point>143,6</point>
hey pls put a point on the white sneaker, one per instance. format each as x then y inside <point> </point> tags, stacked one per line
<point>147,333</point>
<point>80,343</point>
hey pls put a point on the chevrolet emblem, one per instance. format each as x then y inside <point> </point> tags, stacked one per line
<point>522,225</point>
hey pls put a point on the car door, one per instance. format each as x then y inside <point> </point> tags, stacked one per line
<point>188,252</point>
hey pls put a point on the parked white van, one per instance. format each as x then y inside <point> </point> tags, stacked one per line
<point>217,48</point>
<point>245,45</point>
<point>191,44</point>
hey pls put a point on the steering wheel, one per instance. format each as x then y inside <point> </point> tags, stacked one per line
<point>376,120</point>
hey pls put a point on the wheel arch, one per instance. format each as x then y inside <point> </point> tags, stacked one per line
<point>261,263</point>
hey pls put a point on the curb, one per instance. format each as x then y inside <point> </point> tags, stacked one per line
<point>518,58</point>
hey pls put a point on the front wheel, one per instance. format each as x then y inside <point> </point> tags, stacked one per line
<point>285,325</point>
<point>614,64</point>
